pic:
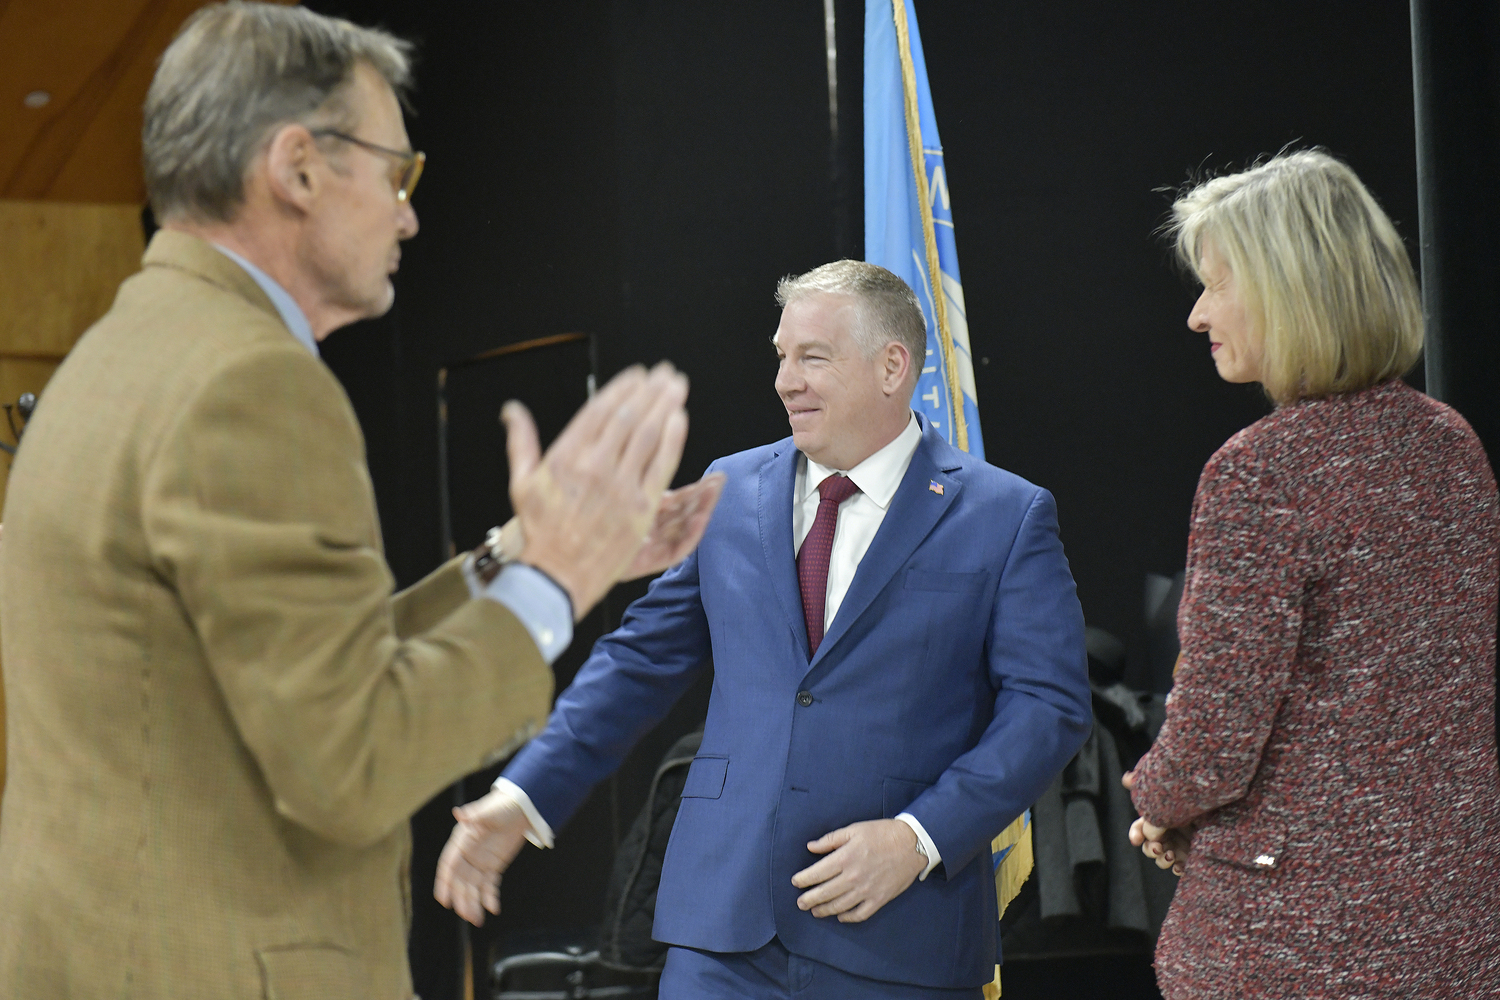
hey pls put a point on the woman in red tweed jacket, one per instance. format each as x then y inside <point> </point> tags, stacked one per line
<point>1326,780</point>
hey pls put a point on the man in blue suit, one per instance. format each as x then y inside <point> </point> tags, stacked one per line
<point>899,671</point>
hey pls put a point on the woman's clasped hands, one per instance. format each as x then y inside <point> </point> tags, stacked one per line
<point>1167,846</point>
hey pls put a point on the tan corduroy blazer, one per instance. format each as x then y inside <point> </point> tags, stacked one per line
<point>220,718</point>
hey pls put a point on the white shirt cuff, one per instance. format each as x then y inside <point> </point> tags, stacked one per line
<point>540,833</point>
<point>542,607</point>
<point>933,857</point>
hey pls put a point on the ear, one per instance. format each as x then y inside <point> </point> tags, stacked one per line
<point>895,366</point>
<point>293,163</point>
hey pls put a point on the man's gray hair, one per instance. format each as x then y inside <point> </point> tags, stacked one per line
<point>888,308</point>
<point>234,74</point>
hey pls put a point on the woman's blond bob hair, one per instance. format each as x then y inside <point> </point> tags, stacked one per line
<point>1325,280</point>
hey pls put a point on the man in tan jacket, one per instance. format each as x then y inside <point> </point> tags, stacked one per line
<point>220,719</point>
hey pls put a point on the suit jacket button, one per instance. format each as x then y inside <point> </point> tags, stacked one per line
<point>804,698</point>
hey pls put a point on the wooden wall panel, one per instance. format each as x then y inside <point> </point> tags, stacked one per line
<point>60,265</point>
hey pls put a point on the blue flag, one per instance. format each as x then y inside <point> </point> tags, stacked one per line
<point>909,215</point>
<point>909,230</point>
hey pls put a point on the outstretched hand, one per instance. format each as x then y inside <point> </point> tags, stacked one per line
<point>868,864</point>
<point>680,522</point>
<point>488,836</point>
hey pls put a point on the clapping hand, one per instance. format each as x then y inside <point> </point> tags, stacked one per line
<point>591,508</point>
<point>680,522</point>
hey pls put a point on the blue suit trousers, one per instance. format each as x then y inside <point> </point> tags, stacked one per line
<point>773,973</point>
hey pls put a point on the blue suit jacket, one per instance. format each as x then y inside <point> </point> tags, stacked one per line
<point>952,684</point>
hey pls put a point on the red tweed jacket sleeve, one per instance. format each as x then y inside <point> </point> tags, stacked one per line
<point>1239,623</point>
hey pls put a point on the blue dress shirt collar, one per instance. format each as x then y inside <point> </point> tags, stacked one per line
<point>291,313</point>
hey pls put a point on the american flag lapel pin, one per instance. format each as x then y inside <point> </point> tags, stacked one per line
<point>936,487</point>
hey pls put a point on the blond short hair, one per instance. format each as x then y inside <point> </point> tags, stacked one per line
<point>1324,277</point>
<point>234,74</point>
<point>888,308</point>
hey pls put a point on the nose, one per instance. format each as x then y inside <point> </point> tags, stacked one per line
<point>787,381</point>
<point>406,221</point>
<point>1198,317</point>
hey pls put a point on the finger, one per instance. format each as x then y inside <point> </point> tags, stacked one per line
<point>817,873</point>
<point>688,531</point>
<point>1128,780</point>
<point>472,911</point>
<point>824,894</point>
<point>705,498</point>
<point>453,885</point>
<point>472,890</point>
<point>841,903</point>
<point>658,475</point>
<point>491,896</point>
<point>864,911</point>
<point>1137,837</point>
<point>682,507</point>
<point>621,423</point>
<point>831,841</point>
<point>522,448</point>
<point>583,430</point>
<point>667,391</point>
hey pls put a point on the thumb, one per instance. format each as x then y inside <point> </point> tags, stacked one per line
<point>522,448</point>
<point>830,841</point>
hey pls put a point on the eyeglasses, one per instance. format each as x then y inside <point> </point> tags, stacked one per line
<point>406,171</point>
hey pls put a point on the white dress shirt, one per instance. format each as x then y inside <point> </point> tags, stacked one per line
<point>859,519</point>
<point>860,516</point>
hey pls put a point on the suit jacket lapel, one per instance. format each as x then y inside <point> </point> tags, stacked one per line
<point>914,511</point>
<point>773,508</point>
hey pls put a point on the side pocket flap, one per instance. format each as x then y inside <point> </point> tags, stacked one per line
<point>1258,846</point>
<point>705,778</point>
<point>309,972</point>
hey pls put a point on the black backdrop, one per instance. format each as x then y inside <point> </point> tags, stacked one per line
<point>645,171</point>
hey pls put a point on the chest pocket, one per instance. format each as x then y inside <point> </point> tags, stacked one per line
<point>947,583</point>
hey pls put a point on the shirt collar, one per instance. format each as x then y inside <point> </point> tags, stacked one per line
<point>291,313</point>
<point>877,476</point>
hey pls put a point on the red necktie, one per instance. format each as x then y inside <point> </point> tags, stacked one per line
<point>817,549</point>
